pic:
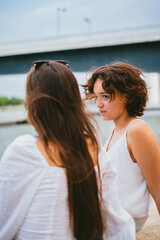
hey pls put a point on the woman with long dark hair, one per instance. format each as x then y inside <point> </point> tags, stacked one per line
<point>52,186</point>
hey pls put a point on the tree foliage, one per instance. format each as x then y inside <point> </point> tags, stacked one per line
<point>4,101</point>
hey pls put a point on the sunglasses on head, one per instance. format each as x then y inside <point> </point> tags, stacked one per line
<point>39,63</point>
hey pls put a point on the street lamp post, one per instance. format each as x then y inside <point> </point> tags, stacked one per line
<point>88,21</point>
<point>58,20</point>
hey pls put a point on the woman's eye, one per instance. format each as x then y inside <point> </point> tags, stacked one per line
<point>106,96</point>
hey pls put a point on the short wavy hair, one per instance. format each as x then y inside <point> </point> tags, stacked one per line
<point>121,78</point>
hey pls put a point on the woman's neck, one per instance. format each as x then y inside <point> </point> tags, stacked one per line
<point>121,124</point>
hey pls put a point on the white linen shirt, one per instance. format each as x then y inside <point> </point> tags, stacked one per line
<point>34,197</point>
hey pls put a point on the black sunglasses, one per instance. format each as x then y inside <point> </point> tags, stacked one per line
<point>39,63</point>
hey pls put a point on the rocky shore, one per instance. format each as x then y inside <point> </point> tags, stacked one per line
<point>12,114</point>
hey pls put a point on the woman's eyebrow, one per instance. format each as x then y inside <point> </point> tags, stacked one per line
<point>101,93</point>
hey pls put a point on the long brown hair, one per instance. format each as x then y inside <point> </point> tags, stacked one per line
<point>57,112</point>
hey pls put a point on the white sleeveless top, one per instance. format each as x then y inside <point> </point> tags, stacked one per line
<point>133,192</point>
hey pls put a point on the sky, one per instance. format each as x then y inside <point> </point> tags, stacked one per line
<point>30,20</point>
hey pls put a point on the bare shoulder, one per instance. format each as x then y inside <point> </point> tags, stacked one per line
<point>139,131</point>
<point>143,145</point>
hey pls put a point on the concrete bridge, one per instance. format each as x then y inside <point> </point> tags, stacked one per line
<point>140,47</point>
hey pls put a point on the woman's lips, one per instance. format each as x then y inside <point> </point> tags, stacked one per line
<point>102,112</point>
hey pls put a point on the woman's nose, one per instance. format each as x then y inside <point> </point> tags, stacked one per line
<point>99,104</point>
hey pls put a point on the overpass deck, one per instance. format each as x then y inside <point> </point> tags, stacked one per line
<point>82,41</point>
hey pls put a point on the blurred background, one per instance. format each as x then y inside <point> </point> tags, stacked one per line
<point>87,33</point>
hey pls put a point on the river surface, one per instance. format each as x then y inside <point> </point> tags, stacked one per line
<point>9,132</point>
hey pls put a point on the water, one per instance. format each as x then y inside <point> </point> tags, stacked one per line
<point>10,132</point>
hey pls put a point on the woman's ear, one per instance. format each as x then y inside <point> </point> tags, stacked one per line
<point>125,98</point>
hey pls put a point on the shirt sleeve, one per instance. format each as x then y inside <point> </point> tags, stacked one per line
<point>20,177</point>
<point>119,225</point>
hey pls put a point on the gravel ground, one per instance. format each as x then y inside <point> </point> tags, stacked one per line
<point>151,229</point>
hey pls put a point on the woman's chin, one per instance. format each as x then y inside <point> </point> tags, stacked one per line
<point>105,118</point>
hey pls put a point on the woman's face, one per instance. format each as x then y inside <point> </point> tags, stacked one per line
<point>109,109</point>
